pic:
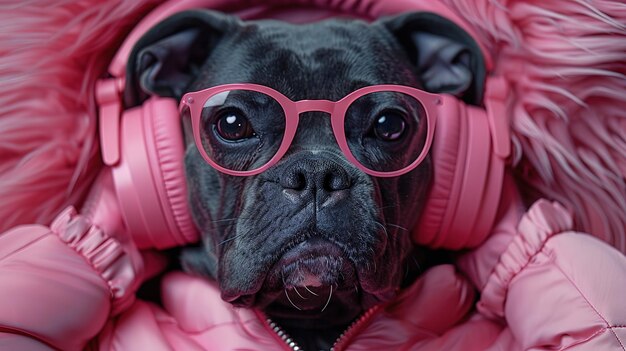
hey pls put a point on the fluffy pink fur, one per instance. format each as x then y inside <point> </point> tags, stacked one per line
<point>51,53</point>
<point>566,61</point>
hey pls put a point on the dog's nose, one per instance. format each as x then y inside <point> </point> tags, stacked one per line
<point>316,179</point>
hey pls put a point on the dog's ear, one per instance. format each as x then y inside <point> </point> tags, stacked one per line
<point>447,58</point>
<point>167,58</point>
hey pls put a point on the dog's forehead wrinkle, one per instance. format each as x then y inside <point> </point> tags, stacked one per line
<point>312,36</point>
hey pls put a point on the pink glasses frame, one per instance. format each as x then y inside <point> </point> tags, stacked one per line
<point>195,102</point>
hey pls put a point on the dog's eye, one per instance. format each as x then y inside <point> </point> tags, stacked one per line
<point>233,126</point>
<point>390,126</point>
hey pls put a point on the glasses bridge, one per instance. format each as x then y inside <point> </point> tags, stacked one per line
<point>315,106</point>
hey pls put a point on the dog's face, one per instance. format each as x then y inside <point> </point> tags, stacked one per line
<point>313,237</point>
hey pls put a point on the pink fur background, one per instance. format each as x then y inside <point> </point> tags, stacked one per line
<point>566,61</point>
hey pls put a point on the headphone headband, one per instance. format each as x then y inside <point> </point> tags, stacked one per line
<point>364,8</point>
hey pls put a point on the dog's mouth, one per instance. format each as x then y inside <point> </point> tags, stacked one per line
<point>305,278</point>
<point>311,263</point>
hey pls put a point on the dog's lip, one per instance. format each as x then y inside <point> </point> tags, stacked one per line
<point>313,247</point>
<point>307,250</point>
<point>312,262</point>
<point>293,254</point>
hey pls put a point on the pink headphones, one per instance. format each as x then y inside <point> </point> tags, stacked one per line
<point>144,146</point>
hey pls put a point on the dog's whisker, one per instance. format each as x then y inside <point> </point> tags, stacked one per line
<point>386,207</point>
<point>297,292</point>
<point>397,226</point>
<point>234,219</point>
<point>225,241</point>
<point>373,260</point>
<point>356,288</point>
<point>383,227</point>
<point>226,222</point>
<point>309,290</point>
<point>330,295</point>
<point>373,254</point>
<point>221,226</point>
<point>291,302</point>
<point>407,269</point>
<point>417,264</point>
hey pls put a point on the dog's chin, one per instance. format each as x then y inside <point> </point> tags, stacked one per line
<point>315,263</point>
<point>313,280</point>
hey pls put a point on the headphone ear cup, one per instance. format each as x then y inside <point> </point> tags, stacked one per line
<point>446,153</point>
<point>467,180</point>
<point>150,178</point>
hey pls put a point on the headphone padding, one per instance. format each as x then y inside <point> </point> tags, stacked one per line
<point>473,170</point>
<point>492,182</point>
<point>169,161</point>
<point>468,176</point>
<point>446,152</point>
<point>149,177</point>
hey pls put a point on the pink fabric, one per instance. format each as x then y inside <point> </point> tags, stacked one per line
<point>104,254</point>
<point>552,289</point>
<point>550,306</point>
<point>182,324</point>
<point>542,221</point>
<point>49,293</point>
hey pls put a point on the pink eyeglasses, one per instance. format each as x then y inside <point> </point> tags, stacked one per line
<point>244,129</point>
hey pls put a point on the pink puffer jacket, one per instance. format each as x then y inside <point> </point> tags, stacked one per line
<point>540,287</point>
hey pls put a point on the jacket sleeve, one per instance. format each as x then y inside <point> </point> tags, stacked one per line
<point>558,289</point>
<point>59,285</point>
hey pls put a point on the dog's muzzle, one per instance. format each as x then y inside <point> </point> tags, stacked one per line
<point>319,253</point>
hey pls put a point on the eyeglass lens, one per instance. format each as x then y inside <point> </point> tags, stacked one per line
<point>241,130</point>
<point>386,131</point>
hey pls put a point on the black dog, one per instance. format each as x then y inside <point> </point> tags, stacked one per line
<point>313,241</point>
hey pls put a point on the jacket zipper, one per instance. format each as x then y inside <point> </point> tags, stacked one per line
<point>357,326</point>
<point>283,335</point>
<point>339,345</point>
